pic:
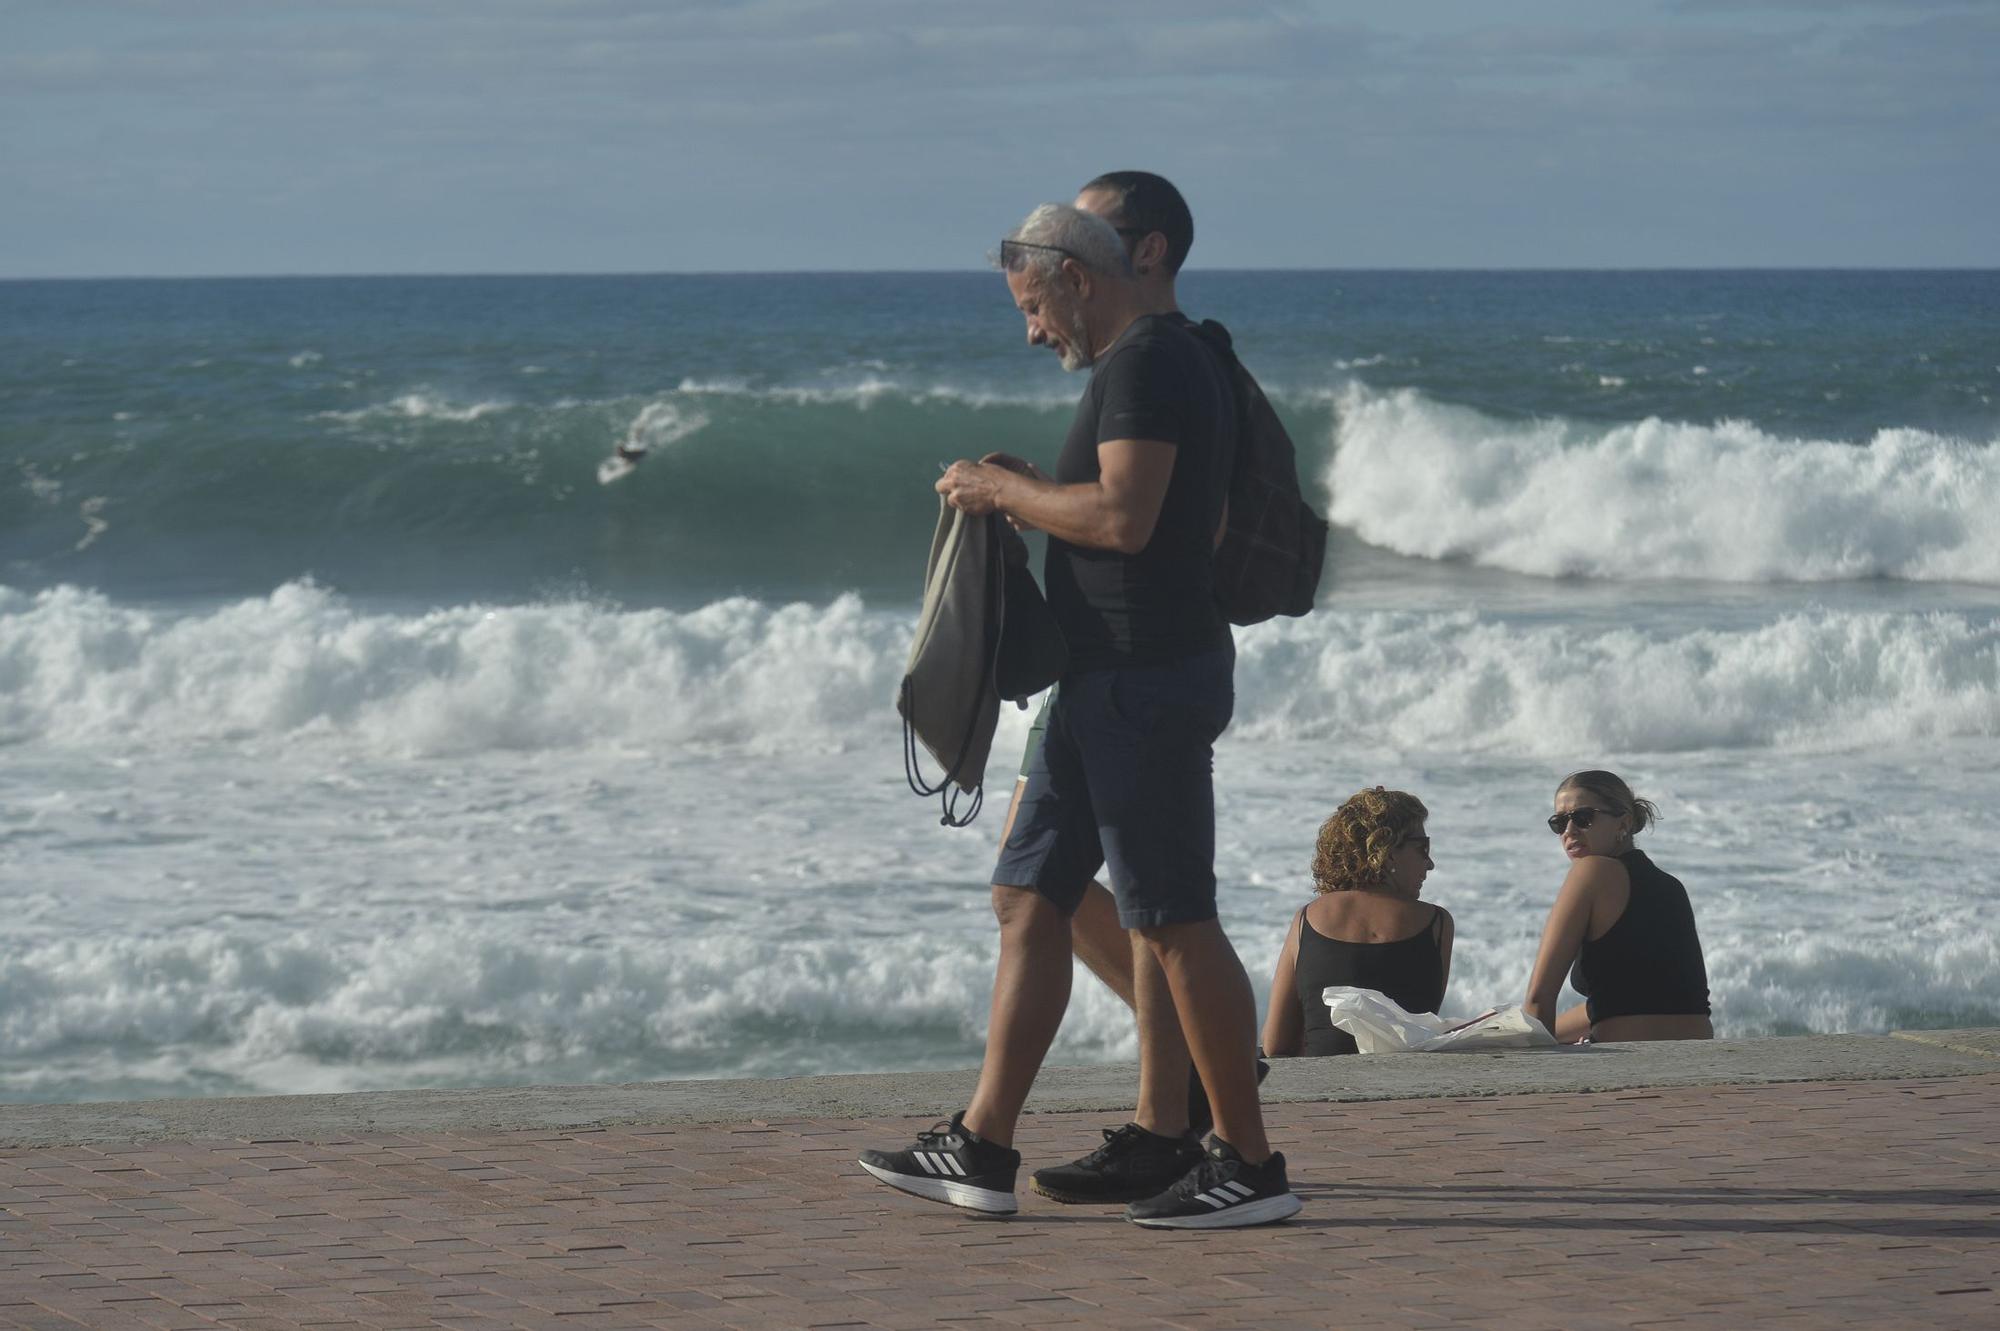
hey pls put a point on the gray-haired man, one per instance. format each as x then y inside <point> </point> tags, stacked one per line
<point>1124,777</point>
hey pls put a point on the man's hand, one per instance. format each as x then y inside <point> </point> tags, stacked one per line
<point>972,487</point>
<point>1012,463</point>
<point>1022,467</point>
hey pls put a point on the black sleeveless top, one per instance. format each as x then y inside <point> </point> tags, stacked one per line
<point>1409,970</point>
<point>1648,963</point>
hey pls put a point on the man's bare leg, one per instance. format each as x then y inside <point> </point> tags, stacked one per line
<point>1218,1017</point>
<point>1030,994</point>
<point>1103,945</point>
<point>1163,1050</point>
<point>1125,963</point>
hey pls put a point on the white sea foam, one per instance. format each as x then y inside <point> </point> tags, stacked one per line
<point>1661,499</point>
<point>659,424</point>
<point>486,992</point>
<point>43,489</point>
<point>385,980</point>
<point>419,406</point>
<point>1463,682</point>
<point>77,668</point>
<point>865,391</point>
<point>357,848</point>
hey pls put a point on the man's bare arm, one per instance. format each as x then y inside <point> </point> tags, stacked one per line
<point>1117,511</point>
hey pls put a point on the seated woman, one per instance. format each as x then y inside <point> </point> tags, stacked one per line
<point>1366,928</point>
<point>1624,922</point>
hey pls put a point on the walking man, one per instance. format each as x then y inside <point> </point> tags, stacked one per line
<point>1124,777</point>
<point>1144,1156</point>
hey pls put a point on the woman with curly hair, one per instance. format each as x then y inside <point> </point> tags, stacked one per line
<point>1625,923</point>
<point>1365,928</point>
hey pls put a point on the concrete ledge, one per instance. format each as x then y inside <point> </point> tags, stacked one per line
<point>1984,1043</point>
<point>1611,1067</point>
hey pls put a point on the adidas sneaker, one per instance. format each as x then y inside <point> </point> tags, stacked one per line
<point>1221,1192</point>
<point>1133,1164</point>
<point>951,1164</point>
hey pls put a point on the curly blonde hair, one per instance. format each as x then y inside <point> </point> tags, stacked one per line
<point>1352,854</point>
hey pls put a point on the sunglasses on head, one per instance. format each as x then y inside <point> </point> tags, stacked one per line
<point>1582,817</point>
<point>1014,253</point>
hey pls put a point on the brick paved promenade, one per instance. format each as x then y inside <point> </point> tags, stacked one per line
<point>1867,1204</point>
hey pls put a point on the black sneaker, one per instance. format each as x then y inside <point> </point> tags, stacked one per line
<point>952,1165</point>
<point>1222,1192</point>
<point>1201,1120</point>
<point>1133,1164</point>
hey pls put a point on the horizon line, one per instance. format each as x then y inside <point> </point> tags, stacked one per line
<point>946,272</point>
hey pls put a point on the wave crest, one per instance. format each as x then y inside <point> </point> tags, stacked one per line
<point>1661,499</point>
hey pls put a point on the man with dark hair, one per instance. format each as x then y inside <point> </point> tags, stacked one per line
<point>1124,775</point>
<point>1149,213</point>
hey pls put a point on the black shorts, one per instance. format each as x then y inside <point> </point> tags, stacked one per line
<point>1125,777</point>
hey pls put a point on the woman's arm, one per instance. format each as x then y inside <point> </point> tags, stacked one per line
<point>1562,936</point>
<point>1444,949</point>
<point>1284,1023</point>
<point>1572,1025</point>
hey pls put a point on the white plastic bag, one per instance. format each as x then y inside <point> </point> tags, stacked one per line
<point>1380,1026</point>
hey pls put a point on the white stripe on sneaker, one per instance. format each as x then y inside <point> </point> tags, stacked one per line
<point>951,1162</point>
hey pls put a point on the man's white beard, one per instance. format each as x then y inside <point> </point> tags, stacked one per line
<point>1076,352</point>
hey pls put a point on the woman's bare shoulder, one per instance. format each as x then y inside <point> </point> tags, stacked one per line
<point>1593,872</point>
<point>1380,916</point>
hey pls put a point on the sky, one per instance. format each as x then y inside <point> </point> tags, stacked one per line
<point>223,137</point>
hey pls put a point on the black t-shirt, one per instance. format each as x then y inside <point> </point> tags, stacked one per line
<point>1157,382</point>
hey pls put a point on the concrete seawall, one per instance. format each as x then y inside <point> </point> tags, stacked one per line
<point>1060,1090</point>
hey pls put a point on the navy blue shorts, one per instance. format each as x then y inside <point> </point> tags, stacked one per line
<point>1125,778</point>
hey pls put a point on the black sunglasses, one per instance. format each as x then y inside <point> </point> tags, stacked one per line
<point>1422,843</point>
<point>1013,256</point>
<point>1582,817</point>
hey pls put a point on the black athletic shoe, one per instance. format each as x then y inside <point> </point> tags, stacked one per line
<point>950,1164</point>
<point>1201,1120</point>
<point>1133,1164</point>
<point>1222,1192</point>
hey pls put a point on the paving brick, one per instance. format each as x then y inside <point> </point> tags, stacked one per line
<point>1808,1206</point>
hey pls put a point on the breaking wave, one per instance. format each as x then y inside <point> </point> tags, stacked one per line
<point>77,668</point>
<point>1661,499</point>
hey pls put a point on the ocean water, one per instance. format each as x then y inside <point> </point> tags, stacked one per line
<point>352,735</point>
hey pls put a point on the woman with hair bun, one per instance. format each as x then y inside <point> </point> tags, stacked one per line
<point>1625,923</point>
<point>1365,928</point>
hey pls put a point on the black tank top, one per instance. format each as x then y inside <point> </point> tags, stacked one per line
<point>1409,970</point>
<point>1648,963</point>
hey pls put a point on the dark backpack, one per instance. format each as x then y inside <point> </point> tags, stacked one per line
<point>1274,547</point>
